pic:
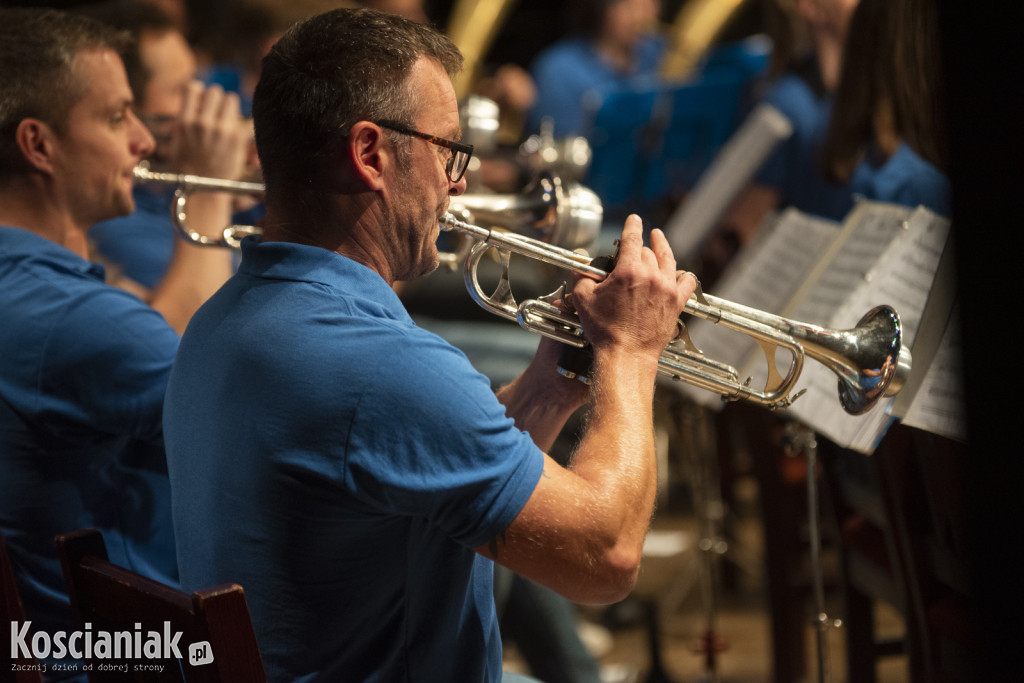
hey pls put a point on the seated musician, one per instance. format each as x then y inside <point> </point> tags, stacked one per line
<point>353,471</point>
<point>871,130</point>
<point>198,130</point>
<point>84,364</point>
<point>809,38</point>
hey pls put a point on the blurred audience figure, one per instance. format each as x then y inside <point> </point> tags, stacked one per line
<point>613,44</point>
<point>198,130</point>
<point>867,126</point>
<point>887,134</point>
<point>808,42</point>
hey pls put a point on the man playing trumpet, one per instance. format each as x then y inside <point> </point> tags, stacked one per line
<point>352,471</point>
<point>197,130</point>
<point>83,365</point>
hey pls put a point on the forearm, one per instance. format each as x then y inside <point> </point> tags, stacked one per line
<point>616,455</point>
<point>541,401</point>
<point>195,272</point>
<point>581,533</point>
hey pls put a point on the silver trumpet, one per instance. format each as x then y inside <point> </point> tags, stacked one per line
<point>547,210</point>
<point>869,360</point>
<point>184,186</point>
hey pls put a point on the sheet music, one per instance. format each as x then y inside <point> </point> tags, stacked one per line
<point>933,398</point>
<point>938,404</point>
<point>902,278</point>
<point>867,232</point>
<point>765,274</point>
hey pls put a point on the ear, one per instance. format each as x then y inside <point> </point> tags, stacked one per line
<point>368,153</point>
<point>36,140</point>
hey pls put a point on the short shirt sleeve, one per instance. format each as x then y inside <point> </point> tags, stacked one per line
<point>453,455</point>
<point>106,364</point>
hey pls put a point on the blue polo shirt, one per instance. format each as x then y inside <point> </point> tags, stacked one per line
<point>341,464</point>
<point>141,244</point>
<point>83,369</point>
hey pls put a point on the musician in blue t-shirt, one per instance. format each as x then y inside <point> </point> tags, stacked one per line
<point>612,46</point>
<point>352,470</point>
<point>83,365</point>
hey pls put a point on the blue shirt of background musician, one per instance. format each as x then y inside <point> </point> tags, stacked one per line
<point>342,464</point>
<point>572,78</point>
<point>141,244</point>
<point>793,169</point>
<point>904,178</point>
<point>83,369</point>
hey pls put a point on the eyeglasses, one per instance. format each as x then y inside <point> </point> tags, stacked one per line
<point>461,152</point>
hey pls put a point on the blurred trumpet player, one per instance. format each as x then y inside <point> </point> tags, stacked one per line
<point>84,364</point>
<point>198,130</point>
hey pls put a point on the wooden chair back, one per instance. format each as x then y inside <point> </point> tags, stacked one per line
<point>217,642</point>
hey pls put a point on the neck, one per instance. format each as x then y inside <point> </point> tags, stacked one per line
<point>24,205</point>
<point>349,228</point>
<point>829,51</point>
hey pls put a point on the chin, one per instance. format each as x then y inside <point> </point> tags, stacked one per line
<point>428,265</point>
<point>125,206</point>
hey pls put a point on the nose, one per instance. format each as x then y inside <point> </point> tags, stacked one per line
<point>142,142</point>
<point>455,189</point>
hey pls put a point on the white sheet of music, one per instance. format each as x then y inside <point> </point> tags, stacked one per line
<point>867,232</point>
<point>827,283</point>
<point>933,398</point>
<point>901,277</point>
<point>938,404</point>
<point>764,275</point>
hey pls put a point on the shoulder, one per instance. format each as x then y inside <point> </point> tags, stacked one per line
<point>59,297</point>
<point>795,98</point>
<point>905,178</point>
<point>570,53</point>
<point>106,322</point>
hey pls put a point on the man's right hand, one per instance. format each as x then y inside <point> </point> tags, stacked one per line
<point>636,307</point>
<point>211,138</point>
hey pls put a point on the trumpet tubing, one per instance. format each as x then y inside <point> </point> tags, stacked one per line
<point>184,185</point>
<point>870,360</point>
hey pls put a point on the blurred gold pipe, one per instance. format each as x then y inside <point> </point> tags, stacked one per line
<point>696,26</point>
<point>473,26</point>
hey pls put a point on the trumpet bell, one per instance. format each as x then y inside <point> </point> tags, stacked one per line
<point>875,363</point>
